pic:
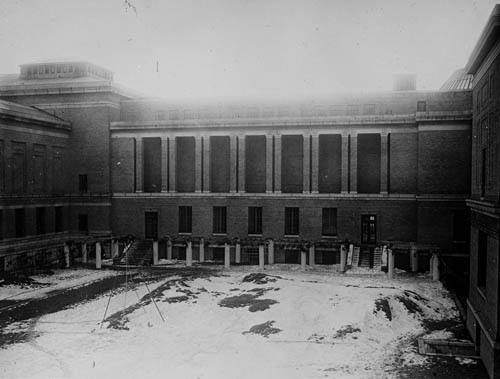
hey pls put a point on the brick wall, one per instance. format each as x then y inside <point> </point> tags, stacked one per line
<point>403,152</point>
<point>330,158</point>
<point>444,162</point>
<point>122,164</point>
<point>292,163</point>
<point>219,164</point>
<point>255,164</point>
<point>368,163</point>
<point>185,164</point>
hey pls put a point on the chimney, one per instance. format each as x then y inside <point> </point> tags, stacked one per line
<point>405,82</point>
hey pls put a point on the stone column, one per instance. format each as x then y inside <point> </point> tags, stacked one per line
<point>164,164</point>
<point>189,254</point>
<point>435,267</point>
<point>390,264</point>
<point>172,160</point>
<point>414,258</point>
<point>227,255</point>
<point>238,252</point>
<point>311,255</point>
<point>345,163</point>
<point>197,164</point>
<point>169,249</point>
<point>354,164</point>
<point>270,252</point>
<point>206,164</point>
<point>139,166</point>
<point>306,163</point>
<point>303,259</point>
<point>383,162</point>
<point>233,164</point>
<point>97,255</point>
<point>343,258</point>
<point>241,163</point>
<point>269,164</point>
<point>277,163</point>
<point>315,164</point>
<point>261,257</point>
<point>66,255</point>
<point>202,250</point>
<point>115,251</point>
<point>84,252</point>
<point>155,253</point>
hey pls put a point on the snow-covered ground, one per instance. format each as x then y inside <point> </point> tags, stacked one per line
<point>283,325</point>
<point>59,280</point>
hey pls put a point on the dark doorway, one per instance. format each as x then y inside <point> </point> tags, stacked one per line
<point>368,240</point>
<point>368,230</point>
<point>151,225</point>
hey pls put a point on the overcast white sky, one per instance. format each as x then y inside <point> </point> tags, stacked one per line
<point>247,48</point>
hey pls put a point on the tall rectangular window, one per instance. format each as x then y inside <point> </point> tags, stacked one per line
<point>83,183</point>
<point>254,220</point>
<point>292,221</point>
<point>83,222</point>
<point>20,222</point>
<point>185,219</point>
<point>58,219</point>
<point>483,172</point>
<point>482,259</point>
<point>1,224</point>
<point>219,221</point>
<point>40,220</point>
<point>329,224</point>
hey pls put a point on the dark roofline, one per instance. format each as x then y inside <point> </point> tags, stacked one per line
<point>488,37</point>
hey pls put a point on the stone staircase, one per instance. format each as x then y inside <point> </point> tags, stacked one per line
<point>365,257</point>
<point>140,253</point>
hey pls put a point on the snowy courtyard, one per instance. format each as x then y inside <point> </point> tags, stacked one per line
<point>240,323</point>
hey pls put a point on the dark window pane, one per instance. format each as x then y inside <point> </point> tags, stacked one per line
<point>219,220</point>
<point>255,220</point>
<point>185,219</point>
<point>329,221</point>
<point>292,221</point>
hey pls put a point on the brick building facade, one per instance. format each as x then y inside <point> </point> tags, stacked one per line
<point>483,316</point>
<point>390,166</point>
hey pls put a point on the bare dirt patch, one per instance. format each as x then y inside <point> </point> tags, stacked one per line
<point>265,329</point>
<point>247,300</point>
<point>382,305</point>
<point>260,278</point>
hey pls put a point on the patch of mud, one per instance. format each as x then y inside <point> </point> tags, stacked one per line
<point>265,329</point>
<point>382,305</point>
<point>260,278</point>
<point>410,305</point>
<point>176,299</point>
<point>346,330</point>
<point>23,281</point>
<point>247,300</point>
